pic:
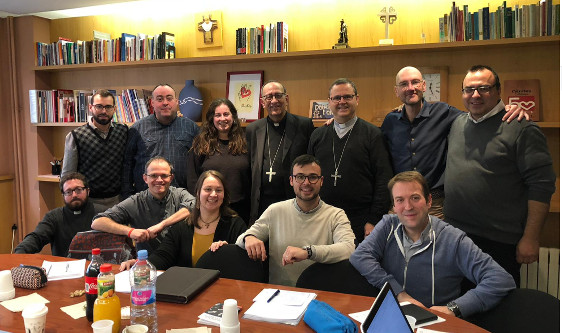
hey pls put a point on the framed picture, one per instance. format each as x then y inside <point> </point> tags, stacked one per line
<point>436,83</point>
<point>243,90</point>
<point>320,110</point>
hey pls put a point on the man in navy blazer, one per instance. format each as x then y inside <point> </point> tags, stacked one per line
<point>273,143</point>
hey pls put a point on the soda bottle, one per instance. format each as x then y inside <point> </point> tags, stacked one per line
<point>142,277</point>
<point>91,282</point>
<point>107,305</point>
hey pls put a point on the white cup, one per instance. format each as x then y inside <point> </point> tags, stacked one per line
<point>7,290</point>
<point>34,317</point>
<point>103,326</point>
<point>229,321</point>
<point>137,328</point>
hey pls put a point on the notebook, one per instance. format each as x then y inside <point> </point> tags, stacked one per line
<point>182,284</point>
<point>386,315</point>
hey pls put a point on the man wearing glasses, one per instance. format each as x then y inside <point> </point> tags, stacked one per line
<point>96,150</point>
<point>60,225</point>
<point>300,231</point>
<point>146,216</point>
<point>355,162</point>
<point>273,143</point>
<point>499,176</point>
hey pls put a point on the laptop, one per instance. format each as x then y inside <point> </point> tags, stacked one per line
<point>182,284</point>
<point>386,315</point>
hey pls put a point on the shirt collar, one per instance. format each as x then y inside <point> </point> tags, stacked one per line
<point>312,211</point>
<point>424,112</point>
<point>424,235</point>
<point>342,129</point>
<point>499,107</point>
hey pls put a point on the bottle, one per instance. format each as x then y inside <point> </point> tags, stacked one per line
<point>142,277</point>
<point>107,305</point>
<point>91,282</point>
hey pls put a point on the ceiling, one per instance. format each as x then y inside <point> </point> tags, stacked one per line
<point>45,8</point>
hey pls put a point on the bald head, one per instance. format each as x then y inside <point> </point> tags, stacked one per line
<point>412,71</point>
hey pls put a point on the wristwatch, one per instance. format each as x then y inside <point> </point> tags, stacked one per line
<point>454,308</point>
<point>308,249</point>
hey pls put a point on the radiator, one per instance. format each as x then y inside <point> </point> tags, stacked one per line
<point>544,274</point>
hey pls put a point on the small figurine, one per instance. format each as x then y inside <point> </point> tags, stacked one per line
<point>342,41</point>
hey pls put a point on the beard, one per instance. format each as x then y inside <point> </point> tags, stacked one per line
<point>76,204</point>
<point>102,121</point>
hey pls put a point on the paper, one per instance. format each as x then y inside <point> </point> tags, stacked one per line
<point>286,308</point>
<point>18,304</point>
<point>63,270</point>
<point>75,311</point>
<point>122,283</point>
<point>190,330</point>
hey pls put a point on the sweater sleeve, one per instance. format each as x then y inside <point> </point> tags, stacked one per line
<point>369,254</point>
<point>260,229</point>
<point>491,280</point>
<point>343,238</point>
<point>43,234</point>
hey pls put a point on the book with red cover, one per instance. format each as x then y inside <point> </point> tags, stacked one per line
<point>525,93</point>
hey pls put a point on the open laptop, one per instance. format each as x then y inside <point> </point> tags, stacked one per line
<point>386,315</point>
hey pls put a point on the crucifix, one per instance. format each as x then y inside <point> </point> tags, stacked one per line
<point>206,26</point>
<point>335,176</point>
<point>271,173</point>
<point>387,18</point>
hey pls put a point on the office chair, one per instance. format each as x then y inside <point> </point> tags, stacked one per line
<point>114,248</point>
<point>233,263</point>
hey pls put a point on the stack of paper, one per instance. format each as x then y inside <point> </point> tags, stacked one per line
<point>62,270</point>
<point>287,307</point>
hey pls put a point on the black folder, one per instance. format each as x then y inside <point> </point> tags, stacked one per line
<point>422,315</point>
<point>182,284</point>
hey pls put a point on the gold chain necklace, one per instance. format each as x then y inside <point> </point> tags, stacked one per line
<point>207,224</point>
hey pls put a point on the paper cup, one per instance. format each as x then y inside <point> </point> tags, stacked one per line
<point>102,326</point>
<point>229,321</point>
<point>7,290</point>
<point>34,318</point>
<point>137,328</point>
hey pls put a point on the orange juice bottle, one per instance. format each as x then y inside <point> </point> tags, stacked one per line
<point>107,305</point>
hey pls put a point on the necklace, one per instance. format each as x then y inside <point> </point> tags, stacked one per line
<point>207,224</point>
<point>337,166</point>
<point>271,173</point>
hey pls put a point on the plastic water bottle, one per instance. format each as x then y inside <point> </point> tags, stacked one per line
<point>142,277</point>
<point>91,282</point>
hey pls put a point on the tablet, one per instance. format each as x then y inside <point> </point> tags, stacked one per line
<point>386,315</point>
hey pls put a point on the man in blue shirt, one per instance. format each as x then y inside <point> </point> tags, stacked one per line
<point>160,134</point>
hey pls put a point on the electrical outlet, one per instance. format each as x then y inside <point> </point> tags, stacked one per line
<point>14,227</point>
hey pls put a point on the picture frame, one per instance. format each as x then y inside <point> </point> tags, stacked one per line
<point>243,90</point>
<point>436,83</point>
<point>320,110</point>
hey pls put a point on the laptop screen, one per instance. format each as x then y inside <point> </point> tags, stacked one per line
<point>386,315</point>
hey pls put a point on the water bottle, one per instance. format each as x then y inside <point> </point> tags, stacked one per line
<point>91,282</point>
<point>142,277</point>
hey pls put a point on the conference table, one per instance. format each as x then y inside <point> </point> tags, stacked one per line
<point>172,315</point>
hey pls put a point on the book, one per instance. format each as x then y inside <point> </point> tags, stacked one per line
<point>168,46</point>
<point>213,316</point>
<point>420,314</point>
<point>525,93</point>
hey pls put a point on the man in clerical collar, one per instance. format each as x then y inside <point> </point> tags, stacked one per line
<point>146,216</point>
<point>273,143</point>
<point>300,231</point>
<point>354,159</point>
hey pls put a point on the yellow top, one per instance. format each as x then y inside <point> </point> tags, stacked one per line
<point>201,244</point>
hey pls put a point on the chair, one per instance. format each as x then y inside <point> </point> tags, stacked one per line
<point>114,248</point>
<point>522,310</point>
<point>340,277</point>
<point>233,263</point>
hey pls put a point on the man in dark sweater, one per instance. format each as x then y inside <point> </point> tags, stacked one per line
<point>96,150</point>
<point>59,226</point>
<point>499,176</point>
<point>355,163</point>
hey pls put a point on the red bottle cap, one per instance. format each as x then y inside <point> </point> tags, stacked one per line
<point>105,268</point>
<point>96,251</point>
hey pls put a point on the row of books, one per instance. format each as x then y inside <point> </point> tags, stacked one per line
<point>104,49</point>
<point>542,19</point>
<point>71,106</point>
<point>270,38</point>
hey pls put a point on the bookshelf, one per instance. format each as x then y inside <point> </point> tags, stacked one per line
<point>306,74</point>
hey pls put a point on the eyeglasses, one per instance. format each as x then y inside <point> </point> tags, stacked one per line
<point>338,98</point>
<point>481,90</point>
<point>313,179</point>
<point>156,176</point>
<point>277,96</point>
<point>99,107</point>
<point>161,99</point>
<point>77,190</point>
<point>405,84</point>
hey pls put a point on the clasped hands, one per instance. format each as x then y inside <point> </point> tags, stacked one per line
<point>256,251</point>
<point>143,235</point>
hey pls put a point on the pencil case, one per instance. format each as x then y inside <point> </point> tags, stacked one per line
<point>29,277</point>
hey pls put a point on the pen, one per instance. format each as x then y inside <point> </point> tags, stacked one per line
<point>273,296</point>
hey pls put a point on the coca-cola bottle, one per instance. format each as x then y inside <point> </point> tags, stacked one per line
<point>91,285</point>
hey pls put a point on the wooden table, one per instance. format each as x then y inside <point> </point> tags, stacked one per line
<point>182,315</point>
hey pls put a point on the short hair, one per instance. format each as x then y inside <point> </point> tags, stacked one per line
<point>158,158</point>
<point>478,68</point>
<point>273,81</point>
<point>303,160</point>
<point>224,209</point>
<point>343,80</point>
<point>103,93</point>
<point>163,85</point>
<point>71,176</point>
<point>409,177</point>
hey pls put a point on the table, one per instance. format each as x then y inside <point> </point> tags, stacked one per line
<point>183,315</point>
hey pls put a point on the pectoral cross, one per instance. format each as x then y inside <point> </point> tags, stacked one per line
<point>271,173</point>
<point>335,176</point>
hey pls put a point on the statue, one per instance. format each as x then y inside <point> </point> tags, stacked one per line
<point>342,41</point>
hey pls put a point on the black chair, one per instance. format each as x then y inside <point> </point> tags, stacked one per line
<point>233,263</point>
<point>340,277</point>
<point>522,310</point>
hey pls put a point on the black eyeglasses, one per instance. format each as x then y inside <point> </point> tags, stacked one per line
<point>346,98</point>
<point>481,90</point>
<point>313,179</point>
<point>99,107</point>
<point>277,96</point>
<point>77,190</point>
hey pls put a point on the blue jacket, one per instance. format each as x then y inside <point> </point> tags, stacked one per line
<point>434,273</point>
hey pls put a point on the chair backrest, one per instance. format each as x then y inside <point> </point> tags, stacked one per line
<point>340,277</point>
<point>522,310</point>
<point>114,248</point>
<point>233,263</point>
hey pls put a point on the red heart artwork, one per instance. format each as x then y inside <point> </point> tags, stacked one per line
<point>245,92</point>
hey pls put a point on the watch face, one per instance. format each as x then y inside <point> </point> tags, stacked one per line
<point>432,87</point>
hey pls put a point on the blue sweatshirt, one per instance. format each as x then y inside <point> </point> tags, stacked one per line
<point>434,273</point>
